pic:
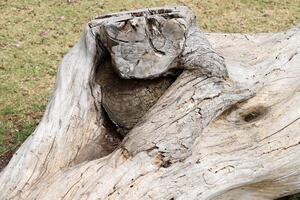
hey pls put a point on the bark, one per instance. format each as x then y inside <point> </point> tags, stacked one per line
<point>216,133</point>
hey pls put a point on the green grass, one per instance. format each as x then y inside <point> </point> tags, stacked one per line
<point>36,34</point>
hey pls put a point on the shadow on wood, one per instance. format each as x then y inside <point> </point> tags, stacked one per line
<point>224,129</point>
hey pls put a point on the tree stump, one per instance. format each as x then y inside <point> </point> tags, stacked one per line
<point>224,129</point>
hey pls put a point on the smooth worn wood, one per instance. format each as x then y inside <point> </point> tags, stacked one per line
<point>218,132</point>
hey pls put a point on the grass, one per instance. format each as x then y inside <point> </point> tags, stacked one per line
<point>36,34</point>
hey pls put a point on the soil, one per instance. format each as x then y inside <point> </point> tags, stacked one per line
<point>5,158</point>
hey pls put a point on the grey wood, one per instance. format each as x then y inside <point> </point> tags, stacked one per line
<point>220,131</point>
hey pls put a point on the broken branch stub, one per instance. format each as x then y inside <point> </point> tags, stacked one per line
<point>148,43</point>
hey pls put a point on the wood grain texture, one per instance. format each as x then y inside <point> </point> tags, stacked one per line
<point>209,136</point>
<point>145,44</point>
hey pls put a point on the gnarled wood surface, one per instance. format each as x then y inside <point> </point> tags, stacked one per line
<point>207,137</point>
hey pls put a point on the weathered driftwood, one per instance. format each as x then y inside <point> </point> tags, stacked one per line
<point>147,44</point>
<point>201,140</point>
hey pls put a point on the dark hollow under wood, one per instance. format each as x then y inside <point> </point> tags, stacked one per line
<point>127,100</point>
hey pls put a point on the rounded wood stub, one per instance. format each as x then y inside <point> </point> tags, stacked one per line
<point>144,43</point>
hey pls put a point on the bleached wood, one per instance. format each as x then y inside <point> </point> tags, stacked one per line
<point>201,140</point>
<point>146,44</point>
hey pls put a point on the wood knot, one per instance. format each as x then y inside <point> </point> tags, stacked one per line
<point>161,161</point>
<point>125,153</point>
<point>254,113</point>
